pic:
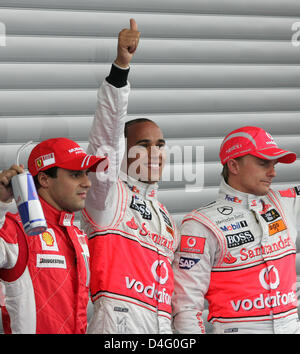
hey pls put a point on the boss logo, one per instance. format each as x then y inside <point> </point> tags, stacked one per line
<point>239,239</point>
<point>141,207</point>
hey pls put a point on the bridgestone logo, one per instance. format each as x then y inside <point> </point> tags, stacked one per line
<point>51,261</point>
<point>43,260</point>
<point>239,239</point>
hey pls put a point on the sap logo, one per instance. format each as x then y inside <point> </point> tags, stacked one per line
<point>187,263</point>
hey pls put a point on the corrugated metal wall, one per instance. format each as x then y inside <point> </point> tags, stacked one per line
<point>203,68</point>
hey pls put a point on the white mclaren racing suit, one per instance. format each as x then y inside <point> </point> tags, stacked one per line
<point>132,238</point>
<point>239,254</point>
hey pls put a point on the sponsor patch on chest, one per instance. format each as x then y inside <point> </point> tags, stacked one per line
<point>238,239</point>
<point>141,207</point>
<point>48,240</point>
<point>50,261</point>
<point>271,215</point>
<point>276,226</point>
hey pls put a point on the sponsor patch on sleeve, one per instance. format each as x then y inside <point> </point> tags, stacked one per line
<point>192,244</point>
<point>187,263</point>
<point>289,193</point>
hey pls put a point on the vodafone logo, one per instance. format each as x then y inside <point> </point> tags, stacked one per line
<point>160,272</point>
<point>154,291</point>
<point>269,280</point>
<point>266,275</point>
<point>191,242</point>
<point>271,142</point>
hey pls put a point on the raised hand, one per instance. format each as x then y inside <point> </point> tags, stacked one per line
<point>127,44</point>
<point>5,182</point>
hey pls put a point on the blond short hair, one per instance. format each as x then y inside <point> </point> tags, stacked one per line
<point>225,172</point>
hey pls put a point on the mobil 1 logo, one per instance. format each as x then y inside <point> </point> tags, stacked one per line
<point>238,239</point>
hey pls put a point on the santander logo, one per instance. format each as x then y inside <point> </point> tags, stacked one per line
<point>154,291</point>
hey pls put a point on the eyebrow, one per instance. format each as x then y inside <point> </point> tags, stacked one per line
<point>147,141</point>
<point>77,171</point>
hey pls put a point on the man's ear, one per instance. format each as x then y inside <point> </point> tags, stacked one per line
<point>43,179</point>
<point>233,166</point>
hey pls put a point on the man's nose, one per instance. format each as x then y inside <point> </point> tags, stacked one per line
<point>154,152</point>
<point>272,172</point>
<point>86,181</point>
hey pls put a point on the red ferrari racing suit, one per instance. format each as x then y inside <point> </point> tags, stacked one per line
<point>45,277</point>
<point>239,253</point>
<point>132,237</point>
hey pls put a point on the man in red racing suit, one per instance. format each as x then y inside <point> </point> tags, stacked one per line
<point>45,278</point>
<point>239,251</point>
<point>132,237</point>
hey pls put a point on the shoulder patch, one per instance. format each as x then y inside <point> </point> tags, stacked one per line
<point>290,193</point>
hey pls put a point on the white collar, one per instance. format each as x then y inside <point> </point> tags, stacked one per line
<point>247,200</point>
<point>146,190</point>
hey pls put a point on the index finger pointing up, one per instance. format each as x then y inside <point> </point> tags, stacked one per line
<point>133,25</point>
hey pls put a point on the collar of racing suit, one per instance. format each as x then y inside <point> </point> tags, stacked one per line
<point>146,190</point>
<point>57,217</point>
<point>246,200</point>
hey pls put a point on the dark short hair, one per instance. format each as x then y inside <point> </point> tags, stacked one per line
<point>51,172</point>
<point>135,121</point>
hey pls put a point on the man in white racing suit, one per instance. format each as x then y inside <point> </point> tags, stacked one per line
<point>239,252</point>
<point>132,238</point>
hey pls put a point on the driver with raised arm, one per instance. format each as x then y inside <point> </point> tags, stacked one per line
<point>132,237</point>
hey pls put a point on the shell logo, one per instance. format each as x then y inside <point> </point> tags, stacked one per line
<point>48,238</point>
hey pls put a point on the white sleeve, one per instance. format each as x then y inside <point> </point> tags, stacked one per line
<point>8,254</point>
<point>194,258</point>
<point>5,208</point>
<point>107,137</point>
